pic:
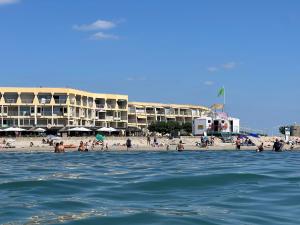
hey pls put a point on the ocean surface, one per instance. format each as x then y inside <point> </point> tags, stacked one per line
<point>223,187</point>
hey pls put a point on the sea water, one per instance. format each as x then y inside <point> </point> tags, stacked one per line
<point>222,187</point>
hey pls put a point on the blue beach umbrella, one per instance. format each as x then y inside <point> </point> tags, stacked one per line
<point>100,137</point>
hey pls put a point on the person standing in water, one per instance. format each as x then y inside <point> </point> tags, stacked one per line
<point>260,148</point>
<point>56,148</point>
<point>180,146</point>
<point>61,147</point>
<point>238,144</point>
<point>277,146</point>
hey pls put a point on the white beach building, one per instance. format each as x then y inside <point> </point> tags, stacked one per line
<point>216,123</point>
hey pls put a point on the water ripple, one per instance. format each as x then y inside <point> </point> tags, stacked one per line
<point>150,188</point>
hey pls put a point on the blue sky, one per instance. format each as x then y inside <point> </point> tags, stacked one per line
<point>171,51</point>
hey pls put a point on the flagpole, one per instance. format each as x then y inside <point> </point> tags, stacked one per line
<point>224,98</point>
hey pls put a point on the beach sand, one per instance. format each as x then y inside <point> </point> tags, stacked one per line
<point>22,144</point>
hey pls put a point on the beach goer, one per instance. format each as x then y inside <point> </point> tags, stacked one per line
<point>61,147</point>
<point>56,148</point>
<point>148,140</point>
<point>260,148</point>
<point>155,141</point>
<point>106,146</point>
<point>31,144</point>
<point>168,147</point>
<point>180,146</point>
<point>81,147</point>
<point>128,144</point>
<point>86,147</point>
<point>238,144</point>
<point>277,146</point>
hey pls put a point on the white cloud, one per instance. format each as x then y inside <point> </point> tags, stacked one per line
<point>6,2</point>
<point>212,69</point>
<point>97,25</point>
<point>208,83</point>
<point>103,36</point>
<point>226,66</point>
<point>230,65</point>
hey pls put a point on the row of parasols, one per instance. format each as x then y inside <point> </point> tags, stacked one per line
<point>74,129</point>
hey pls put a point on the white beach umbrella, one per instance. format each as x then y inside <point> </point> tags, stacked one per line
<point>79,129</point>
<point>14,129</point>
<point>40,130</point>
<point>107,129</point>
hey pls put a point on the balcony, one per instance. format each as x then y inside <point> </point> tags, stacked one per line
<point>109,118</point>
<point>60,101</point>
<point>100,106</point>
<point>11,100</point>
<point>111,106</point>
<point>45,100</point>
<point>12,113</point>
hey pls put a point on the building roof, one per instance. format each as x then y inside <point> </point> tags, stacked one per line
<point>152,104</point>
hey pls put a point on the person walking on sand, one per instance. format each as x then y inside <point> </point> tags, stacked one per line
<point>238,144</point>
<point>148,140</point>
<point>128,144</point>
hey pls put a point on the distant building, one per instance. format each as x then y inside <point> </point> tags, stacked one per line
<point>295,130</point>
<point>54,108</point>
<point>216,123</point>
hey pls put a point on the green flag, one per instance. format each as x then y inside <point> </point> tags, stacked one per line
<point>221,92</point>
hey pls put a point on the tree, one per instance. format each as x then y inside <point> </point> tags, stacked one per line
<point>187,127</point>
<point>169,127</point>
<point>282,129</point>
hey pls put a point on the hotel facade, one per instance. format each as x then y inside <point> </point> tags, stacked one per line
<point>55,108</point>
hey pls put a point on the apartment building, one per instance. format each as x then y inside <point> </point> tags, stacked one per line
<point>55,108</point>
<point>61,107</point>
<point>141,114</point>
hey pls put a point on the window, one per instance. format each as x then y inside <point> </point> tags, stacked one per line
<point>39,110</point>
<point>209,121</point>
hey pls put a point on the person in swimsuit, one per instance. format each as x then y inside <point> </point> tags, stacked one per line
<point>56,148</point>
<point>238,144</point>
<point>277,146</point>
<point>180,146</point>
<point>260,148</point>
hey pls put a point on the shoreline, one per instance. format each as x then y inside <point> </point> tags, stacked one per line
<point>117,144</point>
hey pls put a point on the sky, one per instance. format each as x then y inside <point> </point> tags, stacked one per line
<point>170,51</point>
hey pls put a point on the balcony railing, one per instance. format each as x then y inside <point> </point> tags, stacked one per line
<point>27,101</point>
<point>11,100</point>
<point>100,106</point>
<point>12,113</point>
<point>111,106</point>
<point>45,100</point>
<point>122,107</point>
<point>109,118</point>
<point>60,101</point>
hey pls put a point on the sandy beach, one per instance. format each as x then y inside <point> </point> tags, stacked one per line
<point>22,144</point>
